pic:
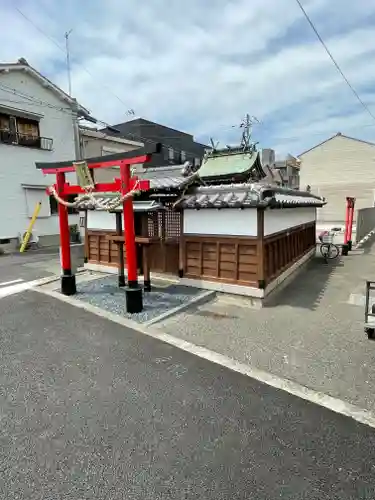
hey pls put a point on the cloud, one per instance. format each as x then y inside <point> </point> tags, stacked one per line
<point>200,66</point>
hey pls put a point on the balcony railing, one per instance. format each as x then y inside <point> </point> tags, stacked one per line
<point>28,141</point>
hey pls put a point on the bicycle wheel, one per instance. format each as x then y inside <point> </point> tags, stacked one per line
<point>329,250</point>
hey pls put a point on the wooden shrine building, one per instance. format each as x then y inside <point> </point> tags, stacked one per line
<point>220,227</point>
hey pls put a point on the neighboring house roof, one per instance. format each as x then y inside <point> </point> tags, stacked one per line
<point>270,178</point>
<point>97,134</point>
<point>339,134</point>
<point>229,165</point>
<point>23,65</point>
<point>137,128</point>
<point>278,176</point>
<point>247,196</point>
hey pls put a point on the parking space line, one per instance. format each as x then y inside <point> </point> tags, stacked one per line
<point>7,283</point>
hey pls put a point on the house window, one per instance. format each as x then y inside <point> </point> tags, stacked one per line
<point>54,205</point>
<point>22,132</point>
<point>171,154</point>
<point>183,156</point>
<point>35,194</point>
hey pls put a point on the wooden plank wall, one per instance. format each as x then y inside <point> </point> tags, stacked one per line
<point>226,259</point>
<point>100,250</point>
<point>236,260</point>
<point>282,249</point>
<point>164,256</point>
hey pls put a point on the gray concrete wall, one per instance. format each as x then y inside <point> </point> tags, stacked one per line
<point>365,222</point>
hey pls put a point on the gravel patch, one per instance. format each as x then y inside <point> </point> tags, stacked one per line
<point>105,293</point>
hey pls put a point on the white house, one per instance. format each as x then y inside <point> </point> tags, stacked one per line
<point>337,168</point>
<point>38,122</point>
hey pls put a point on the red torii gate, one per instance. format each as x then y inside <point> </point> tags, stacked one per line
<point>123,185</point>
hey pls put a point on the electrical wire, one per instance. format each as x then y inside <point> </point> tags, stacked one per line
<point>37,102</point>
<point>32,100</point>
<point>363,104</point>
<point>143,139</point>
<point>60,47</point>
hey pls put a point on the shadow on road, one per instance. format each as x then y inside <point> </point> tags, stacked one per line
<point>307,289</point>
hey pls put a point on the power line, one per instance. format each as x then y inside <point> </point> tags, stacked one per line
<point>32,101</point>
<point>37,102</point>
<point>64,51</point>
<point>363,104</point>
<point>29,101</point>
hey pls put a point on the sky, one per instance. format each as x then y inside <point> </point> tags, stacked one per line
<point>201,65</point>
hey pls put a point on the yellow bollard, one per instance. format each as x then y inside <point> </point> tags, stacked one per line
<point>29,229</point>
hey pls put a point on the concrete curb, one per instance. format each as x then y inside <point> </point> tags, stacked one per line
<point>93,309</point>
<point>201,298</point>
<point>51,279</point>
<point>117,318</point>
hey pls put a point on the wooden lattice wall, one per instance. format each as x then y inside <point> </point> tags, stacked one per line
<point>164,254</point>
<point>281,250</point>
<point>167,226</point>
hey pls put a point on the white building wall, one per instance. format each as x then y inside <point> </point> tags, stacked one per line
<point>17,163</point>
<point>224,222</point>
<point>101,220</point>
<point>277,220</point>
<point>336,169</point>
<point>227,221</point>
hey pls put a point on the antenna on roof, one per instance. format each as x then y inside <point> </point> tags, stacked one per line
<point>247,126</point>
<point>214,146</point>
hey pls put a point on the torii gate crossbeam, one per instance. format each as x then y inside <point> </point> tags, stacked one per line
<point>123,185</point>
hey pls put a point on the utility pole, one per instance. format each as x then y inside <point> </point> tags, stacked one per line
<point>67,33</point>
<point>77,135</point>
<point>77,138</point>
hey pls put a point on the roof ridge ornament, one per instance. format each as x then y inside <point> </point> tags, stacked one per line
<point>247,129</point>
<point>245,146</point>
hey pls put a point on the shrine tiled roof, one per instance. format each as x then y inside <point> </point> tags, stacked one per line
<point>138,205</point>
<point>169,177</point>
<point>231,164</point>
<point>246,196</point>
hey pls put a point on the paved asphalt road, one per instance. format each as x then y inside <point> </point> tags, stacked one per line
<point>34,264</point>
<point>90,409</point>
<point>17,266</point>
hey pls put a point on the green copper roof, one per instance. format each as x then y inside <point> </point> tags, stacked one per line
<point>230,164</point>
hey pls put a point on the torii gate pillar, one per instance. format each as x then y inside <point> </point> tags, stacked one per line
<point>68,279</point>
<point>134,301</point>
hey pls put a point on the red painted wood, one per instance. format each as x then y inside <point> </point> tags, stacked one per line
<point>110,187</point>
<point>104,164</point>
<point>131,255</point>
<point>64,226</point>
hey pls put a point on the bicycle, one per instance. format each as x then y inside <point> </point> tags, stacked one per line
<point>328,249</point>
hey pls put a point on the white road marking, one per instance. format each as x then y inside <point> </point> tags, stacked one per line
<point>21,287</point>
<point>6,283</point>
<point>336,405</point>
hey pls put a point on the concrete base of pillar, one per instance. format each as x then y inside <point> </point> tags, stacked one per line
<point>68,284</point>
<point>134,300</point>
